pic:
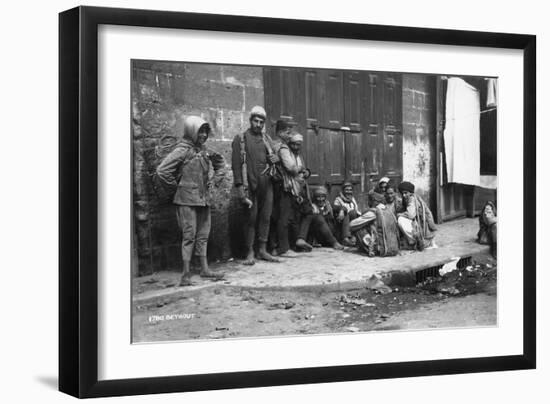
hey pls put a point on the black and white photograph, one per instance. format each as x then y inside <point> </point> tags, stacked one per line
<point>273,201</point>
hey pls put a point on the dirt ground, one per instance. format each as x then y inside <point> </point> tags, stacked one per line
<point>461,298</point>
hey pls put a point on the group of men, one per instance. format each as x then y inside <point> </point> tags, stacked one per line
<point>270,178</point>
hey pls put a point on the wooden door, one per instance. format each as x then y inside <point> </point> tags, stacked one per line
<point>351,122</point>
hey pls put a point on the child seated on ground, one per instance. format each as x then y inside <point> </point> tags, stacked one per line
<point>346,209</point>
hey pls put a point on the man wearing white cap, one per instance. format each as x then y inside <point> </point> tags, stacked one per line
<point>252,155</point>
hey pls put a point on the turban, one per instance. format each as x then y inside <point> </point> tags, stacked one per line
<point>406,186</point>
<point>383,179</point>
<point>296,137</point>
<point>347,184</point>
<point>320,191</point>
<point>257,111</point>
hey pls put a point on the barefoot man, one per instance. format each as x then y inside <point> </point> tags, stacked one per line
<point>252,153</point>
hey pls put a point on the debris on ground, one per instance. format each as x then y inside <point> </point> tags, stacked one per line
<point>353,329</point>
<point>285,305</point>
<point>449,266</point>
<point>354,300</point>
<point>377,285</point>
<point>249,296</point>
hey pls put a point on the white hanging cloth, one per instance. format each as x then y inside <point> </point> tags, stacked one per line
<point>461,134</point>
<point>491,93</point>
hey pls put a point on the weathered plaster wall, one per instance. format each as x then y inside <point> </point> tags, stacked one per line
<point>161,91</point>
<point>419,134</point>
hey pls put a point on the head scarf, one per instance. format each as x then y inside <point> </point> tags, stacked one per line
<point>406,186</point>
<point>191,127</point>
<point>383,179</point>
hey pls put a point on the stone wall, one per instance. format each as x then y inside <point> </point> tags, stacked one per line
<point>161,91</point>
<point>419,134</point>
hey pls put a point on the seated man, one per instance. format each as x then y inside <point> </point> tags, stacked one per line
<point>487,233</point>
<point>376,195</point>
<point>319,224</point>
<point>416,222</point>
<point>376,231</point>
<point>365,232</point>
<point>345,210</point>
<point>393,203</point>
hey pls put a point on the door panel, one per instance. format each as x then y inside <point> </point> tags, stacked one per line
<point>353,139</point>
<point>392,133</point>
<point>330,93</point>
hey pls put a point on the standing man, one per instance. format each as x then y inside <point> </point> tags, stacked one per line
<point>186,168</point>
<point>252,160</point>
<point>292,193</point>
<point>276,243</point>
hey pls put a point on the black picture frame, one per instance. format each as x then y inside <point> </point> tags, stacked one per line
<point>78,201</point>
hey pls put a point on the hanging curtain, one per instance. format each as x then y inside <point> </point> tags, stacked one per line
<point>461,134</point>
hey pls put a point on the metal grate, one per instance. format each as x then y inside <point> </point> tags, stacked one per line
<point>433,272</point>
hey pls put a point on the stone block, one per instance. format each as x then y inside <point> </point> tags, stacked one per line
<point>209,94</point>
<point>234,122</point>
<point>253,96</point>
<point>203,72</point>
<point>251,76</point>
<point>408,98</point>
<point>415,81</point>
<point>411,116</point>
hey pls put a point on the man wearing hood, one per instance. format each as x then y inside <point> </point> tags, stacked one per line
<point>185,170</point>
<point>252,160</point>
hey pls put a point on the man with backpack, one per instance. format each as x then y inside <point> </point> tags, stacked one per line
<point>185,171</point>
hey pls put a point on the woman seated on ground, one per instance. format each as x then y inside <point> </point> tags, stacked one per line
<point>318,225</point>
<point>487,233</point>
<point>345,210</point>
<point>416,222</point>
<point>376,195</point>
